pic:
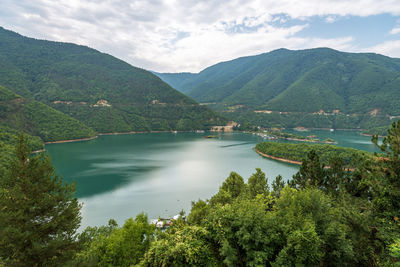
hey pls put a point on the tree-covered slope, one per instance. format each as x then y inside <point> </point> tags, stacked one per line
<point>300,81</point>
<point>176,79</point>
<point>101,91</point>
<point>38,119</point>
<point>8,141</point>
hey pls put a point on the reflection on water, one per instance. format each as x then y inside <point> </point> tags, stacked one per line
<point>160,174</point>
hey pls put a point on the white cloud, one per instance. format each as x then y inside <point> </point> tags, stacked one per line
<point>181,35</point>
<point>330,19</point>
<point>391,48</point>
<point>395,30</point>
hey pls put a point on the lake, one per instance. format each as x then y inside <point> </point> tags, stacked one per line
<point>119,176</point>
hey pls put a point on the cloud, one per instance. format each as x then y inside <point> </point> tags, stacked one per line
<point>182,35</point>
<point>395,30</point>
<point>390,47</point>
<point>330,19</point>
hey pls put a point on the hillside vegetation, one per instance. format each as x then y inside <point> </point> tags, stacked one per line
<point>8,141</point>
<point>304,81</point>
<point>298,152</point>
<point>38,119</point>
<point>292,120</point>
<point>103,92</point>
<point>61,91</point>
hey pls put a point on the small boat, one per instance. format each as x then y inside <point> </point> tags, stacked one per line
<point>331,130</point>
<point>210,136</point>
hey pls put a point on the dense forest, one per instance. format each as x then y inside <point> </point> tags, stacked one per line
<point>321,217</point>
<point>298,152</point>
<point>60,91</point>
<point>38,119</point>
<point>295,84</point>
<point>299,81</point>
<point>381,131</point>
<point>102,92</point>
<point>249,118</point>
<point>8,140</point>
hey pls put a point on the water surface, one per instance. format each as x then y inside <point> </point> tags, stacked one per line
<point>119,176</point>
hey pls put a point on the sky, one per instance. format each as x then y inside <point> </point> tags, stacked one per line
<point>190,35</point>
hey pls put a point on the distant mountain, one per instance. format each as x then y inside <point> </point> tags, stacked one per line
<point>102,92</point>
<point>178,80</point>
<point>299,81</point>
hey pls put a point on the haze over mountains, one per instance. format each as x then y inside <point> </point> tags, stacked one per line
<point>49,88</point>
<point>298,81</point>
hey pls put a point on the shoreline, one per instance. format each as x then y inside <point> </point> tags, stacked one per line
<point>370,135</point>
<point>317,141</point>
<point>133,132</point>
<point>338,129</point>
<point>72,140</point>
<point>278,159</point>
<point>38,151</point>
<point>99,134</point>
<point>292,161</point>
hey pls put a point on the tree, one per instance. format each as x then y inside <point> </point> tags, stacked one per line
<point>183,245</point>
<point>395,252</point>
<point>258,184</point>
<point>231,188</point>
<point>198,213</point>
<point>335,175</point>
<point>39,215</point>
<point>245,233</point>
<point>116,246</point>
<point>311,172</point>
<point>277,186</point>
<point>315,230</point>
<point>384,181</point>
<point>387,174</point>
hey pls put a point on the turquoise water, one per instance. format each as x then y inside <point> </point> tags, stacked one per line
<point>119,176</point>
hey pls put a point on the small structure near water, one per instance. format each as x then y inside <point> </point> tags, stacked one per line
<point>164,223</point>
<point>227,128</point>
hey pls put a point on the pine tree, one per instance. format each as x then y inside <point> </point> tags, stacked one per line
<point>39,215</point>
<point>311,172</point>
<point>258,184</point>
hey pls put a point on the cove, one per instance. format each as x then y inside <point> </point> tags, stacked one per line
<point>119,176</point>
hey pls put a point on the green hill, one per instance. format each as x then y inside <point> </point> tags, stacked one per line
<point>178,80</point>
<point>38,119</point>
<point>103,92</point>
<point>8,140</point>
<point>300,81</point>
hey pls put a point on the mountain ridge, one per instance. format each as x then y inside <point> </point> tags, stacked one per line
<point>283,80</point>
<point>99,90</point>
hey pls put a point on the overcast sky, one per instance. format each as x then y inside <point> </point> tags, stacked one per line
<point>189,35</point>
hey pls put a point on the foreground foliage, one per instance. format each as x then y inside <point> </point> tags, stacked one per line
<point>39,215</point>
<point>321,217</point>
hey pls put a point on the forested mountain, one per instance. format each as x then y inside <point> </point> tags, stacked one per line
<point>103,92</point>
<point>38,119</point>
<point>176,80</point>
<point>299,81</point>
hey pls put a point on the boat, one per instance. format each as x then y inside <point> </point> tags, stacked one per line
<point>210,136</point>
